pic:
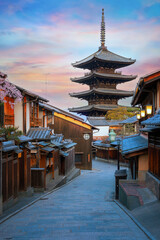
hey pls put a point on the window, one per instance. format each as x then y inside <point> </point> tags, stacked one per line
<point>78,158</point>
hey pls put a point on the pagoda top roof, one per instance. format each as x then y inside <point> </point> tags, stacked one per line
<point>89,108</point>
<point>117,76</point>
<point>103,91</point>
<point>104,58</point>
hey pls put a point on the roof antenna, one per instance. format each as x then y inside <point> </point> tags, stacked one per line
<point>102,30</point>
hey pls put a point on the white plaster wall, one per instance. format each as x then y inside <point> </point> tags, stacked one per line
<point>18,116</point>
<point>45,121</point>
<point>27,117</point>
<point>41,116</point>
<point>52,119</point>
<point>103,131</point>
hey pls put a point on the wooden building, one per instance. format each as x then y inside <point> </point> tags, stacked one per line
<point>24,114</point>
<point>147,93</point>
<point>75,128</point>
<point>130,126</point>
<point>102,80</point>
<point>134,148</point>
<point>152,127</point>
<point>10,172</point>
<point>51,156</point>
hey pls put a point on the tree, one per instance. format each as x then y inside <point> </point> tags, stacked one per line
<point>8,89</point>
<point>121,113</point>
<point>10,133</point>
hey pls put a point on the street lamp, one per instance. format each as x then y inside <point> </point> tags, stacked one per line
<point>112,136</point>
<point>118,145</point>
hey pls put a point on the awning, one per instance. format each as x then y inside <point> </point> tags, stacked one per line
<point>64,154</point>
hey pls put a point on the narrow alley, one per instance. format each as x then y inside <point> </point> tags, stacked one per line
<point>82,209</point>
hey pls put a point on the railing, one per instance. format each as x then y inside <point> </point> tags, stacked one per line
<point>8,120</point>
<point>36,122</point>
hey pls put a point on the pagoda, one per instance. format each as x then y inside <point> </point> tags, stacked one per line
<point>102,79</point>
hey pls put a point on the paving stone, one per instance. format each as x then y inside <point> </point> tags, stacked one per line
<point>82,210</point>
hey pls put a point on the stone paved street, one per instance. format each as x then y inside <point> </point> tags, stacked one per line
<point>83,209</point>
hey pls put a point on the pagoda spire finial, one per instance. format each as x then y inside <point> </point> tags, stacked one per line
<point>103,30</point>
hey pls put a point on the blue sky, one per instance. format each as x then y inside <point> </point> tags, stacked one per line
<point>40,39</point>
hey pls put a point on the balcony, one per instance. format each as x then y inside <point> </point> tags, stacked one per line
<point>8,120</point>
<point>36,122</point>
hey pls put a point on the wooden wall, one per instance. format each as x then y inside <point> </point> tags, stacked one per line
<point>76,132</point>
<point>154,153</point>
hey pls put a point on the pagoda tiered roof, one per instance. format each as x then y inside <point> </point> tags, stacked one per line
<point>104,58</point>
<point>93,108</point>
<point>103,91</point>
<point>102,80</point>
<point>107,77</point>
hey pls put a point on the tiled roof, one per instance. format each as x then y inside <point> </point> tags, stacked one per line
<point>103,91</point>
<point>24,138</point>
<point>97,121</point>
<point>39,133</point>
<point>64,154</point>
<point>113,122</point>
<point>101,144</point>
<point>153,121</point>
<point>130,120</point>
<point>105,55</point>
<point>111,76</point>
<point>101,107</point>
<point>133,143</point>
<point>47,149</point>
<point>9,146</point>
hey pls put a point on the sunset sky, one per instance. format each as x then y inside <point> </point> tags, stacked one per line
<point>40,39</point>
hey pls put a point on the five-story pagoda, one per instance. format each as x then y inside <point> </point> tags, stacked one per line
<point>102,79</point>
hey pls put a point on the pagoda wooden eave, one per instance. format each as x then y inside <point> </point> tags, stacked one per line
<point>104,58</point>
<point>108,77</point>
<point>96,107</point>
<point>103,91</point>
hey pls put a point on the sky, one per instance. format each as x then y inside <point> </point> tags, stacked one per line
<point>40,39</point>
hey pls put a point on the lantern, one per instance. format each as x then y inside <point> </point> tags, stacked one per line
<point>112,136</point>
<point>149,109</point>
<point>138,116</point>
<point>143,113</point>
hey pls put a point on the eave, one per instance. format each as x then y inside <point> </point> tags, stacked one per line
<point>144,83</point>
<point>100,91</point>
<point>115,77</point>
<point>90,108</point>
<point>104,58</point>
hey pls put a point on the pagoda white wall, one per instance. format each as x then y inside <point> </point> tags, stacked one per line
<point>103,132</point>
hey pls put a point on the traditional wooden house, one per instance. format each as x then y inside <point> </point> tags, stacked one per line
<point>10,172</point>
<point>51,156</point>
<point>130,126</point>
<point>24,114</point>
<point>152,127</point>
<point>147,94</point>
<point>46,113</point>
<point>75,128</point>
<point>134,148</point>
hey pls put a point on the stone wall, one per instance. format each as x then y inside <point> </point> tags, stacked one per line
<point>153,184</point>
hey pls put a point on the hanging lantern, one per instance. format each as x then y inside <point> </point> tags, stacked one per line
<point>143,113</point>
<point>149,109</point>
<point>138,116</point>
